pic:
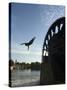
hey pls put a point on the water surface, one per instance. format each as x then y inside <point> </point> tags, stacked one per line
<point>25,77</point>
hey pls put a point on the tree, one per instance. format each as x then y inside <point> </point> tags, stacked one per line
<point>11,62</point>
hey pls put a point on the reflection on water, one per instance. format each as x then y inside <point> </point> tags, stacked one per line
<point>24,77</point>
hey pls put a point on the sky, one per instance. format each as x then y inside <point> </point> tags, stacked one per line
<point>27,21</point>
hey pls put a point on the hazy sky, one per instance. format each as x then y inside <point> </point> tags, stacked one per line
<point>27,21</point>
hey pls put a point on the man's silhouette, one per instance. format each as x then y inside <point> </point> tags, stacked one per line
<point>29,43</point>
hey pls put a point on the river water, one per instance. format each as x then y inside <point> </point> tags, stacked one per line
<point>25,78</point>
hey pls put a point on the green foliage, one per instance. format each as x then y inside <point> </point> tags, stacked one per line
<point>35,66</point>
<point>23,65</point>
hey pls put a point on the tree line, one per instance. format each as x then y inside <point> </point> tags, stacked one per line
<point>23,65</point>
